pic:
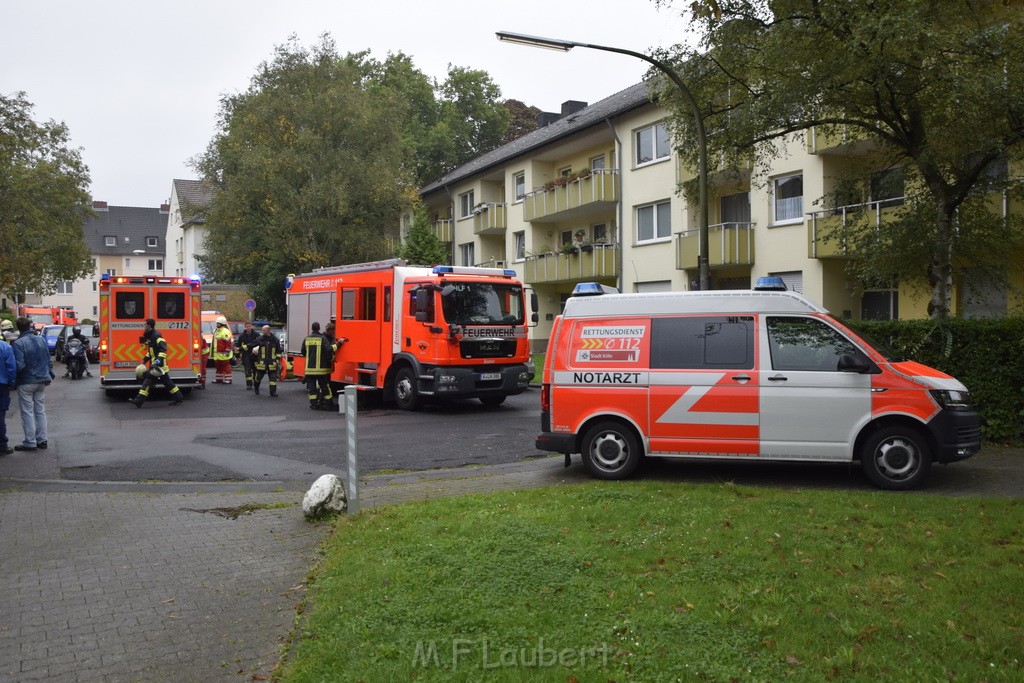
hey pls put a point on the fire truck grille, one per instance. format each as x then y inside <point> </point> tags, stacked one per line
<point>487,348</point>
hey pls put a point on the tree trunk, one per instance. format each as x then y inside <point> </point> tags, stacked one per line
<point>940,269</point>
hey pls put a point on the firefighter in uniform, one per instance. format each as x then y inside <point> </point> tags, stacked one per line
<point>266,352</point>
<point>223,344</point>
<point>246,343</point>
<point>156,356</point>
<point>318,350</point>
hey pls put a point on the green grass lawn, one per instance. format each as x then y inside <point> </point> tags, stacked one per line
<point>650,581</point>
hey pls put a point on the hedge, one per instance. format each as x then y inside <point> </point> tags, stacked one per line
<point>986,355</point>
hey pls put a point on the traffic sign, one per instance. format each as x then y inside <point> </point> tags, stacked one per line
<point>250,304</point>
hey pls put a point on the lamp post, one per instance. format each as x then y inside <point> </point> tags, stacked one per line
<point>702,143</point>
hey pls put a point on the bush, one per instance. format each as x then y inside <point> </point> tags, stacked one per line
<point>986,355</point>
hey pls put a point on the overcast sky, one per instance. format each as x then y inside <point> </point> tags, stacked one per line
<point>139,83</point>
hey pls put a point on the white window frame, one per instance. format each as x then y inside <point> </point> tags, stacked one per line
<point>519,186</point>
<point>597,163</point>
<point>799,218</point>
<point>466,204</point>
<point>152,241</point>
<point>467,253</point>
<point>519,242</point>
<point>156,265</point>
<point>112,272</point>
<point>109,241</point>
<point>656,136</point>
<point>65,287</point>
<point>127,263</point>
<point>659,233</point>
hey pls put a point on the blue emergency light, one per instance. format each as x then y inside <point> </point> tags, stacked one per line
<point>770,283</point>
<point>593,289</point>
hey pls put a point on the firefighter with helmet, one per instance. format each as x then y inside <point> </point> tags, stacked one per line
<point>245,346</point>
<point>223,351</point>
<point>156,356</point>
<point>266,352</point>
<point>318,350</point>
<point>8,331</point>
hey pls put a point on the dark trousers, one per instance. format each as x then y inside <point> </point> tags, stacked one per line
<point>149,382</point>
<point>273,372</point>
<point>319,389</point>
<point>5,404</point>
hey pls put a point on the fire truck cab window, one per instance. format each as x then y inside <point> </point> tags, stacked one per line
<point>170,305</point>
<point>703,343</point>
<point>130,305</point>
<point>474,303</point>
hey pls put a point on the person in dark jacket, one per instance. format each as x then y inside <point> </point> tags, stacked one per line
<point>32,358</point>
<point>246,343</point>
<point>156,356</point>
<point>8,376</point>
<point>266,353</point>
<point>318,350</point>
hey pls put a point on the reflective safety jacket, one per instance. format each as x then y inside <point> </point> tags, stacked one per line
<point>318,351</point>
<point>247,340</point>
<point>267,352</point>
<point>222,343</point>
<point>156,348</point>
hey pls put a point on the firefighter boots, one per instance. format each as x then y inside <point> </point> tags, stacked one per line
<point>137,401</point>
<point>176,398</point>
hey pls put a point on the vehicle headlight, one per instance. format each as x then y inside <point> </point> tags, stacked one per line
<point>951,399</point>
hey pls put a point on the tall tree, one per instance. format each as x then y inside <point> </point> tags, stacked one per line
<point>937,84</point>
<point>421,246</point>
<point>43,202</point>
<point>311,171</point>
<point>523,120</point>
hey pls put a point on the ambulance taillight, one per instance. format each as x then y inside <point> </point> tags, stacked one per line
<point>545,396</point>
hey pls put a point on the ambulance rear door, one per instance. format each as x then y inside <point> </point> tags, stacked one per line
<point>126,311</point>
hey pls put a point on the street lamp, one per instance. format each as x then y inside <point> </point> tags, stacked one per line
<point>702,143</point>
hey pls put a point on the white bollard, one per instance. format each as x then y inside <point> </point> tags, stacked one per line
<point>351,436</point>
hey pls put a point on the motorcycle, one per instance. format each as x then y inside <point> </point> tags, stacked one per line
<point>74,358</point>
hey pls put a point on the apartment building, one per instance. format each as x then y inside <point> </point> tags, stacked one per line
<point>123,240</point>
<point>185,230</point>
<point>593,196</point>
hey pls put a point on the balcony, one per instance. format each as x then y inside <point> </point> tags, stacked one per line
<point>729,244</point>
<point>493,263</point>
<point>490,219</point>
<point>828,230</point>
<point>591,194</point>
<point>443,229</point>
<point>180,255</point>
<point>840,140</point>
<point>590,262</point>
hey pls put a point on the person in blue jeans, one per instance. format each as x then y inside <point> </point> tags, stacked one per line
<point>8,375</point>
<point>32,358</point>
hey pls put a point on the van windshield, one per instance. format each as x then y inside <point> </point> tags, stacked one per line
<point>482,303</point>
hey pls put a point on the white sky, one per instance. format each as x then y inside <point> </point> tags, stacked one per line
<point>139,83</point>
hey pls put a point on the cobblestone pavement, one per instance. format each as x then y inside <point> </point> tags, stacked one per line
<point>153,582</point>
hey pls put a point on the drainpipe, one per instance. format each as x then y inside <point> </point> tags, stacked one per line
<point>618,204</point>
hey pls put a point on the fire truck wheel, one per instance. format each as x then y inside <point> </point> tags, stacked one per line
<point>406,395</point>
<point>896,458</point>
<point>492,401</point>
<point>610,450</point>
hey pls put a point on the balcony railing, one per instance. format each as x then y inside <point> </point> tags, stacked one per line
<point>490,219</point>
<point>443,229</point>
<point>828,230</point>
<point>729,244</point>
<point>590,262</point>
<point>492,263</point>
<point>597,189</point>
<point>841,139</point>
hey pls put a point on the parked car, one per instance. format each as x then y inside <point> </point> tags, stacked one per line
<point>50,333</point>
<point>92,351</point>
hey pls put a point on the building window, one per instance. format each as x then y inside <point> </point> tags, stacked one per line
<point>653,222</point>
<point>95,311</point>
<point>151,241</point>
<point>466,204</point>
<point>597,163</point>
<point>735,208</point>
<point>94,286</point>
<point>520,241</point>
<point>600,233</point>
<point>127,263</point>
<point>788,197</point>
<point>65,287</point>
<point>886,187</point>
<point>156,264</point>
<point>519,185</point>
<point>109,241</point>
<point>111,272</point>
<point>652,144</point>
<point>466,253</point>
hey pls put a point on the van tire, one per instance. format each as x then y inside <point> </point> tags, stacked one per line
<point>610,450</point>
<point>896,458</point>
<point>406,395</point>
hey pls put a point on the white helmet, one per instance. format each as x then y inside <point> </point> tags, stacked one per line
<point>140,371</point>
<point>221,320</point>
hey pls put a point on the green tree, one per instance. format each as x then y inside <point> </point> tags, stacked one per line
<point>523,120</point>
<point>421,246</point>
<point>43,202</point>
<point>937,84</point>
<point>311,171</point>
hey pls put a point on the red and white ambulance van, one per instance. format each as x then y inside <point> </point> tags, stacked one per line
<point>741,375</point>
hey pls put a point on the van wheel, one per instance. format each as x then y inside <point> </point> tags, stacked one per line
<point>406,395</point>
<point>610,451</point>
<point>896,458</point>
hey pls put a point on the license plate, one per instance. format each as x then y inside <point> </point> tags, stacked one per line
<point>489,376</point>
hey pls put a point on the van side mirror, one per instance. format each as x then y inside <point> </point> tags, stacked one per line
<point>851,363</point>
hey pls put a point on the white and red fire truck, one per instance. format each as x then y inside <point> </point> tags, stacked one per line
<point>175,305</point>
<point>417,332</point>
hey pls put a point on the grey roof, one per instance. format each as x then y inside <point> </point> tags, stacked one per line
<point>194,196</point>
<point>619,103</point>
<point>130,226</point>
